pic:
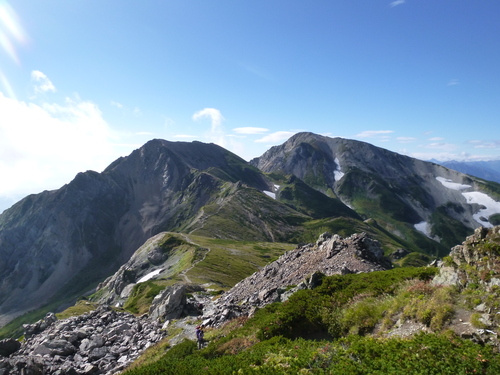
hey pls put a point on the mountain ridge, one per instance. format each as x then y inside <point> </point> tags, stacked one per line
<point>58,244</point>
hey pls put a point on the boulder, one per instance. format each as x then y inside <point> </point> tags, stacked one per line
<point>9,346</point>
<point>169,304</point>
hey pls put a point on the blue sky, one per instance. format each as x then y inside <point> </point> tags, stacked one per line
<point>83,82</point>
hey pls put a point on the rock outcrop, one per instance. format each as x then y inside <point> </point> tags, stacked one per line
<point>476,260</point>
<point>103,341</point>
<point>299,269</point>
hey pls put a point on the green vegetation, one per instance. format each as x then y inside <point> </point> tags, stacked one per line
<point>337,328</point>
<point>230,261</point>
<point>424,354</point>
<point>81,307</point>
<point>495,219</point>
<point>15,327</point>
<point>142,295</point>
<point>301,197</point>
<point>449,230</point>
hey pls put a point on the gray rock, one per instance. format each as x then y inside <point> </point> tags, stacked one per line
<point>169,304</point>
<point>84,350</point>
<point>8,347</point>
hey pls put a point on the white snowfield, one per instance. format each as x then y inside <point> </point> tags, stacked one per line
<point>149,276</point>
<point>270,194</point>
<point>425,228</point>
<point>337,173</point>
<point>452,185</point>
<point>491,207</point>
<point>488,205</point>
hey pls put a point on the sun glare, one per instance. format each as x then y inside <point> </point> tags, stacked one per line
<point>10,30</point>
<point>11,33</point>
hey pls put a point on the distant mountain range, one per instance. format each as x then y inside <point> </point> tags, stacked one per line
<point>57,245</point>
<point>487,170</point>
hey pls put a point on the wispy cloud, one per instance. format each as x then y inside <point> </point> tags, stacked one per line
<point>42,83</point>
<point>441,146</point>
<point>374,134</point>
<point>406,139</point>
<point>250,130</point>
<point>116,104</point>
<point>276,137</point>
<point>485,144</point>
<point>136,111</point>
<point>257,71</point>
<point>436,139</point>
<point>453,82</point>
<point>216,133</point>
<point>396,3</point>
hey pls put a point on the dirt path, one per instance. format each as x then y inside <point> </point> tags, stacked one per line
<point>183,274</point>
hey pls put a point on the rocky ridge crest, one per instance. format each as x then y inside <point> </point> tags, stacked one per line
<point>299,269</point>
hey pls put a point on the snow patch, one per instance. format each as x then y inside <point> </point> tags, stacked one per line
<point>270,194</point>
<point>452,185</point>
<point>337,173</point>
<point>149,276</point>
<point>488,205</point>
<point>276,187</point>
<point>425,228</point>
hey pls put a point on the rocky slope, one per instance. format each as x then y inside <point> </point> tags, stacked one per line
<point>101,342</point>
<point>299,269</point>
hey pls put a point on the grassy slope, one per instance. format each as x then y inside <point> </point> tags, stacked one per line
<point>279,338</point>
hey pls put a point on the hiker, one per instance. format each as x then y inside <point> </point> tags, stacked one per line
<point>199,336</point>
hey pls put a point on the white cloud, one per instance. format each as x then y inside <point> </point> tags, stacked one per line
<point>436,139</point>
<point>396,3</point>
<point>42,83</point>
<point>276,137</point>
<point>485,144</point>
<point>406,139</point>
<point>250,130</point>
<point>453,82</point>
<point>116,104</point>
<point>441,146</point>
<point>216,133</point>
<point>213,114</point>
<point>45,146</point>
<point>374,133</point>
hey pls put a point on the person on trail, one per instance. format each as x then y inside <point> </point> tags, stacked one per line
<point>199,336</point>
